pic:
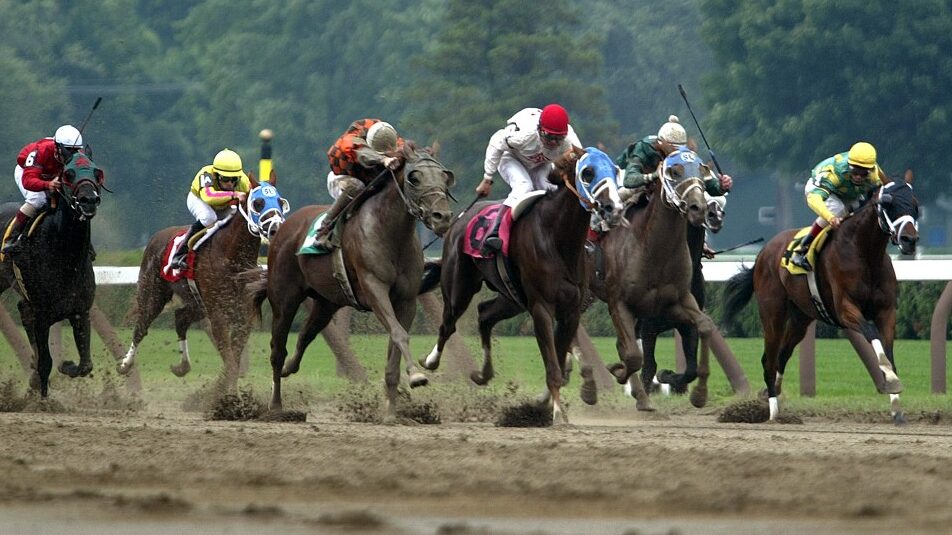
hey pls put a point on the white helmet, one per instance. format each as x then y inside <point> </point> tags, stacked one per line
<point>68,136</point>
<point>382,137</point>
<point>673,132</point>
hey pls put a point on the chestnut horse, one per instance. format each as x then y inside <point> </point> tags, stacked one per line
<point>383,262</point>
<point>648,273</point>
<point>54,272</point>
<point>856,282</point>
<point>230,251</point>
<point>547,259</point>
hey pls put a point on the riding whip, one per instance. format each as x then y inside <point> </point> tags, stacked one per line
<point>738,246</point>
<point>696,123</point>
<point>82,126</point>
<point>459,215</point>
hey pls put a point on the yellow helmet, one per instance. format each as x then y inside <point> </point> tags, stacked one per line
<point>862,154</point>
<point>227,163</point>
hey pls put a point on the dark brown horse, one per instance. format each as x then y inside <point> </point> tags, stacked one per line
<point>383,262</point>
<point>648,273</point>
<point>216,287</point>
<point>856,281</point>
<point>54,273</point>
<point>547,262</point>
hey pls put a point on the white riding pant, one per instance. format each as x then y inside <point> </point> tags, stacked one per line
<point>523,180</point>
<point>36,199</point>
<point>833,203</point>
<point>337,184</point>
<point>201,210</point>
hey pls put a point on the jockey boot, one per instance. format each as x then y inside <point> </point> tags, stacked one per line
<point>179,259</point>
<point>799,256</point>
<point>492,242</point>
<point>324,233</point>
<point>14,241</point>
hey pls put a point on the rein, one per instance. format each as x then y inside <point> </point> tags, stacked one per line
<point>416,210</point>
<point>674,195</point>
<point>585,202</point>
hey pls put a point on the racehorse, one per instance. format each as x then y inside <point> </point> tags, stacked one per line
<point>648,273</point>
<point>856,283</point>
<point>650,328</point>
<point>216,286</point>
<point>54,273</point>
<point>382,266</point>
<point>547,264</point>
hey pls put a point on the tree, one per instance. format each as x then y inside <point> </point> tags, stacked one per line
<point>492,58</point>
<point>799,81</point>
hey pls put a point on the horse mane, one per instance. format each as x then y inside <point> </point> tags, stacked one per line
<point>565,166</point>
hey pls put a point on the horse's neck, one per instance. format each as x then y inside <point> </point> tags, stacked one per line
<point>237,241</point>
<point>74,238</point>
<point>663,226</point>
<point>568,221</point>
<point>385,214</point>
<point>861,235</point>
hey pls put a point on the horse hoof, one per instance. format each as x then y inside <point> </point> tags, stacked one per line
<point>68,367</point>
<point>477,377</point>
<point>619,371</point>
<point>181,370</point>
<point>85,369</point>
<point>698,397</point>
<point>123,369</point>
<point>431,367</point>
<point>418,379</point>
<point>290,369</point>
<point>589,393</point>
<point>35,382</point>
<point>892,387</point>
<point>644,405</point>
<point>899,419</point>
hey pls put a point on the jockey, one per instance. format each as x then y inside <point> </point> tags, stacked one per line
<point>523,153</point>
<point>356,159</point>
<point>642,159</point>
<point>214,189</point>
<point>37,173</point>
<point>836,187</point>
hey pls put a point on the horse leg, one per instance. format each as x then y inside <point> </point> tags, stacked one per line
<point>458,287</point>
<point>886,326</point>
<point>629,352</point>
<point>44,361</point>
<point>29,322</point>
<point>691,324</point>
<point>491,312</point>
<point>320,314</point>
<point>81,337</point>
<point>773,317</point>
<point>284,305</point>
<point>221,328</point>
<point>649,339</point>
<point>185,316</point>
<point>150,301</point>
<point>794,331</point>
<point>543,324</point>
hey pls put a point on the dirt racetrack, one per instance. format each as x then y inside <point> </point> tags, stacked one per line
<point>167,471</point>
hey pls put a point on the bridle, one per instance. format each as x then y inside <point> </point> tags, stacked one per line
<point>408,190</point>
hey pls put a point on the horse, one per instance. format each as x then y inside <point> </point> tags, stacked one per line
<point>650,328</point>
<point>54,273</point>
<point>855,281</point>
<point>648,273</point>
<point>230,251</point>
<point>382,263</point>
<point>547,264</point>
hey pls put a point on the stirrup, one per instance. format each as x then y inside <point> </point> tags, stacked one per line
<point>13,246</point>
<point>800,260</point>
<point>179,262</point>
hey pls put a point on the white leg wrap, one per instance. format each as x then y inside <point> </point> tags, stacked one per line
<point>183,349</point>
<point>130,357</point>
<point>774,408</point>
<point>627,387</point>
<point>884,364</point>
<point>432,358</point>
<point>894,404</point>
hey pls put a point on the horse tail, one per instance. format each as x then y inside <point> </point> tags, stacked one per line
<point>432,269</point>
<point>738,292</point>
<point>256,286</point>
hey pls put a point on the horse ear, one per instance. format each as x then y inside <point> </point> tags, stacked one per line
<point>907,176</point>
<point>252,179</point>
<point>435,149</point>
<point>273,179</point>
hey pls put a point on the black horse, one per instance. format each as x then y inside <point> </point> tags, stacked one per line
<point>54,272</point>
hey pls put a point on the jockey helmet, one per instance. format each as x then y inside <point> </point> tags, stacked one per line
<point>68,136</point>
<point>227,163</point>
<point>862,154</point>
<point>673,132</point>
<point>382,137</point>
<point>554,120</point>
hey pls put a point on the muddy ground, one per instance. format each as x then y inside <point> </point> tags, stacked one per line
<point>161,470</point>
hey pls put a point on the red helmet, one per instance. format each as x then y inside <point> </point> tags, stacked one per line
<point>554,120</point>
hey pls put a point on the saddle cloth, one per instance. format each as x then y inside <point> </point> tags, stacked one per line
<point>310,245</point>
<point>175,275</point>
<point>812,252</point>
<point>478,227</point>
<point>33,226</point>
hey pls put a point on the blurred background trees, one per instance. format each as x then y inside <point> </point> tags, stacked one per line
<point>777,86</point>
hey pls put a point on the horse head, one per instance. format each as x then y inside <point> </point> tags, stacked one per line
<point>682,185</point>
<point>898,211</point>
<point>265,209</point>
<point>81,182</point>
<point>596,181</point>
<point>425,187</point>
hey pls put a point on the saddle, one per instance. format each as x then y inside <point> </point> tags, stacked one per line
<point>310,245</point>
<point>812,252</point>
<point>478,227</point>
<point>196,241</point>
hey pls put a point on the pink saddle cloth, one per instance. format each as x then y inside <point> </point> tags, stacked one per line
<point>479,226</point>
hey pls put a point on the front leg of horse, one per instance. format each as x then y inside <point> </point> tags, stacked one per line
<point>543,325</point>
<point>881,340</point>
<point>81,336</point>
<point>184,317</point>
<point>630,354</point>
<point>44,361</point>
